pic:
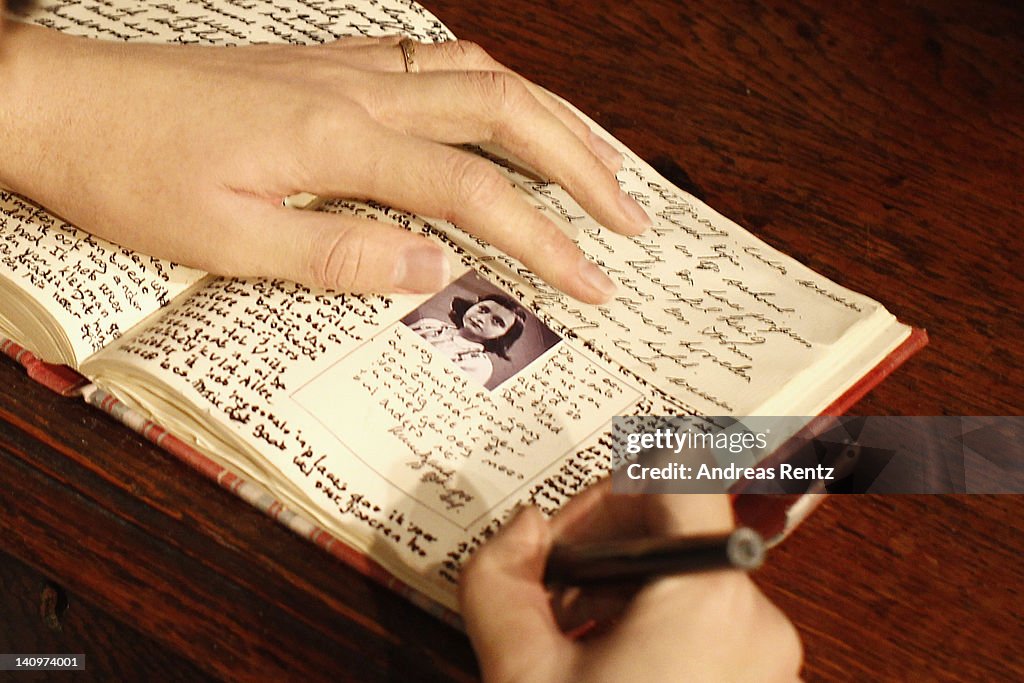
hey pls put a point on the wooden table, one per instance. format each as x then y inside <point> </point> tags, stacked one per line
<point>884,147</point>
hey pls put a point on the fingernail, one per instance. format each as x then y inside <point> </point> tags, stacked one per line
<point>422,268</point>
<point>634,212</point>
<point>611,157</point>
<point>595,278</point>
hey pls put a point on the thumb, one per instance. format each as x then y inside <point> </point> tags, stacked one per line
<point>343,253</point>
<point>504,603</point>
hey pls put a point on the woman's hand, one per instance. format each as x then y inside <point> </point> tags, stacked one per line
<point>710,627</point>
<point>187,153</point>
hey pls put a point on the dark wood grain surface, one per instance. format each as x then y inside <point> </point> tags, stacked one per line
<point>882,146</point>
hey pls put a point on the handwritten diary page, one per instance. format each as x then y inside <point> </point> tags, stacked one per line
<point>340,407</point>
<point>92,289</point>
<point>706,313</point>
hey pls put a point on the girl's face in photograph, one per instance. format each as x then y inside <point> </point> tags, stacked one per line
<point>486,320</point>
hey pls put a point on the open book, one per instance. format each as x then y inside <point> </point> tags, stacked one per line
<point>370,415</point>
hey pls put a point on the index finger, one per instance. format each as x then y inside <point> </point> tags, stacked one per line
<point>435,180</point>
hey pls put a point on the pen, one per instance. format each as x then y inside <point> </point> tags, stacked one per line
<point>633,560</point>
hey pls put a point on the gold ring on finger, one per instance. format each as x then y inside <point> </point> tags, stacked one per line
<point>408,46</point>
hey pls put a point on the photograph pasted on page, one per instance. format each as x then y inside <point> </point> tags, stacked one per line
<point>485,332</point>
<point>432,428</point>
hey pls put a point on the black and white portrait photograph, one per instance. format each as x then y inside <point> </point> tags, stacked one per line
<point>485,332</point>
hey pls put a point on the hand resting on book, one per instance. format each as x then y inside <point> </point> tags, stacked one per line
<point>186,153</point>
<point>713,627</point>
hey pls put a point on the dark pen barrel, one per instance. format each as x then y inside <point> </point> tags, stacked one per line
<point>640,559</point>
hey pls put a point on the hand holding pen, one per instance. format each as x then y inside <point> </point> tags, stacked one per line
<point>713,625</point>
